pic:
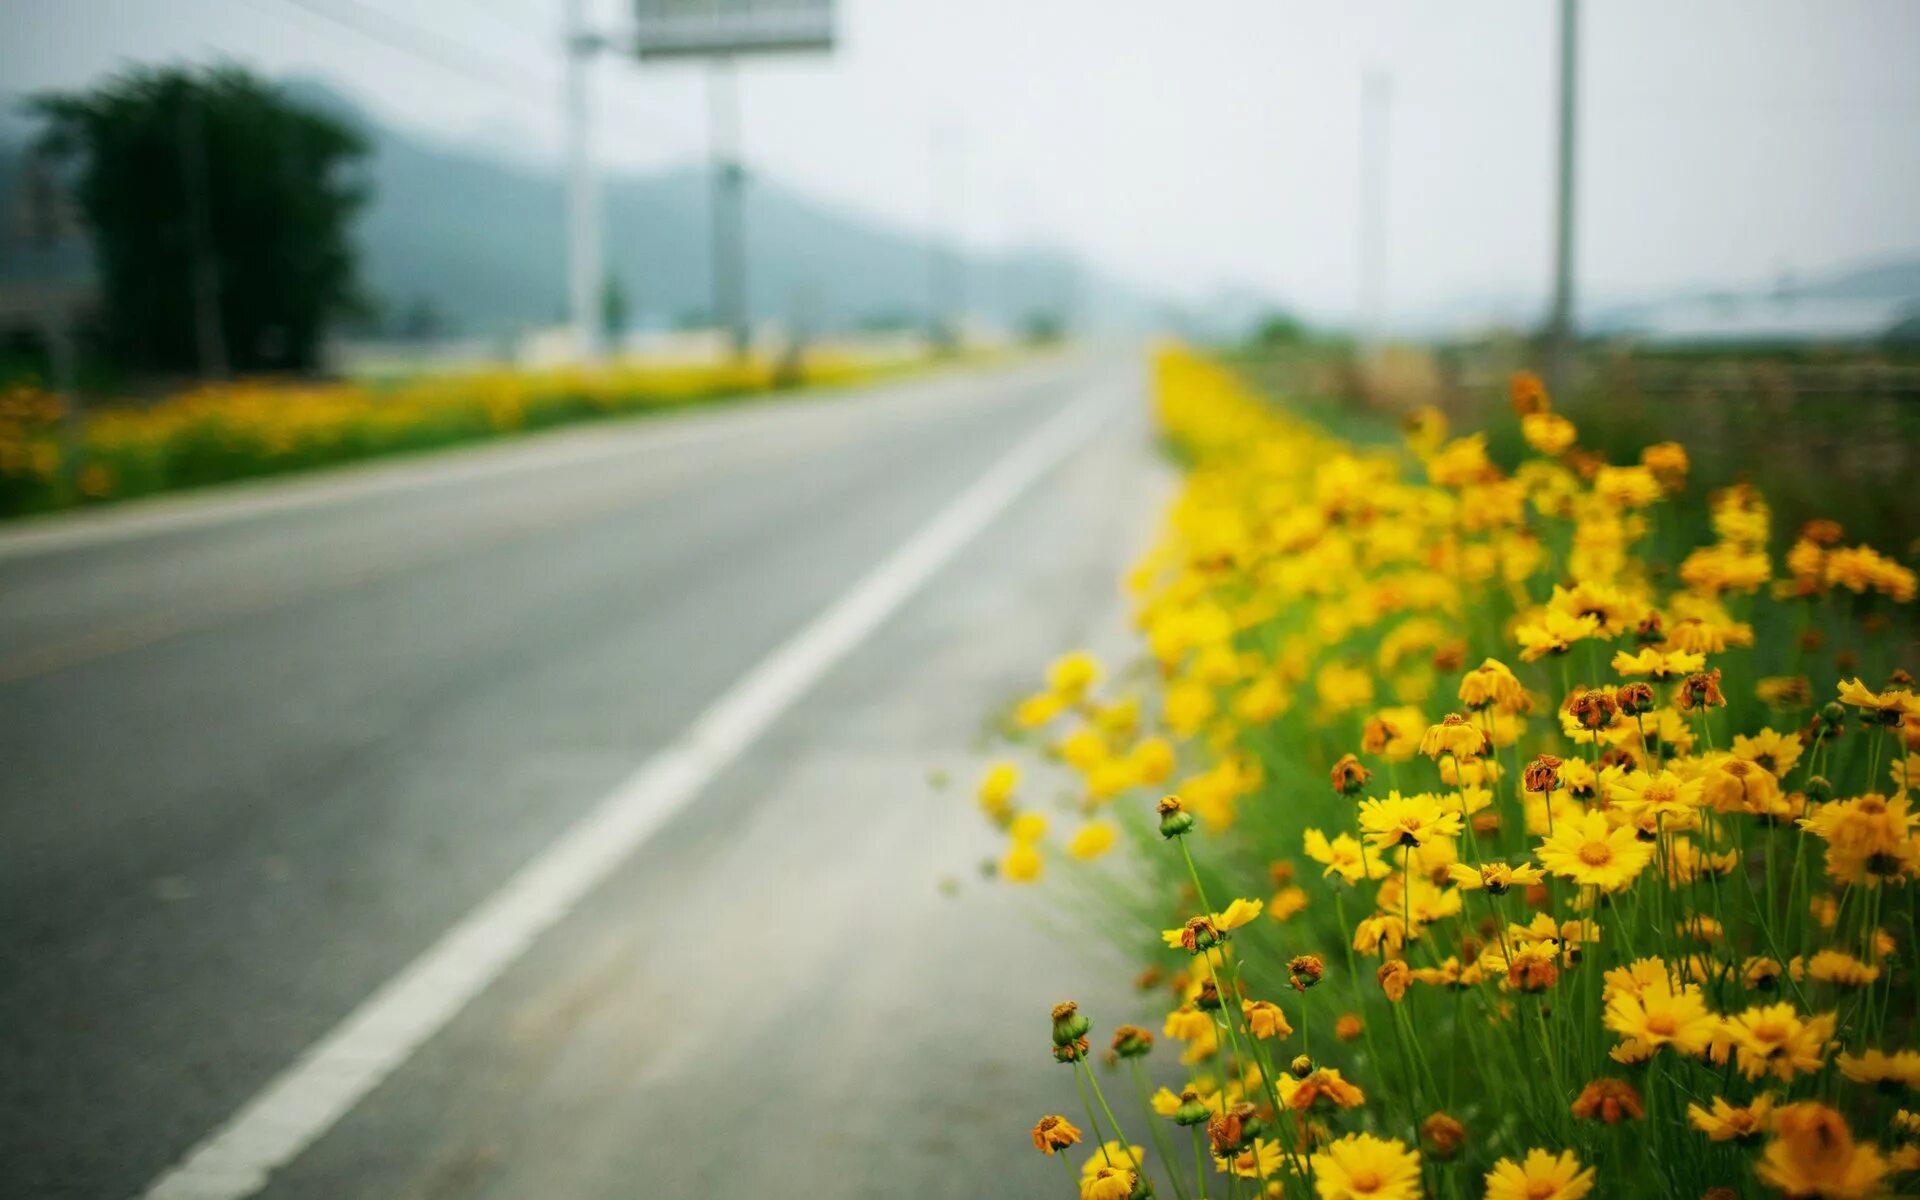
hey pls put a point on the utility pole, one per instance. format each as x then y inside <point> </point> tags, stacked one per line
<point>1376,98</point>
<point>1560,332</point>
<point>583,197</point>
<point>731,311</point>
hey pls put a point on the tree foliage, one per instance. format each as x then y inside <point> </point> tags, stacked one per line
<point>220,212</point>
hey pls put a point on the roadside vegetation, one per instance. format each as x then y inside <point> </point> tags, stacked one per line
<point>216,433</point>
<point>1530,825</point>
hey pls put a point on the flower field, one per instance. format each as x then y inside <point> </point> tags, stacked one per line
<point>1484,831</point>
<point>221,432</point>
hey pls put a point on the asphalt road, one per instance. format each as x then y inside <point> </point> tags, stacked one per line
<point>258,753</point>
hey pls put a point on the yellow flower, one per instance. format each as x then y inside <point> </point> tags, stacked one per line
<point>1028,827</point>
<point>1106,1183</point>
<point>1038,710</point>
<point>1406,820</point>
<point>1901,1069</point>
<point>1494,877</point>
<point>1772,1039</point>
<point>1888,706</point>
<point>1553,632</point>
<point>1729,1123</point>
<point>1454,735</point>
<point>1053,1134</point>
<point>1072,674</point>
<point>1187,706</point>
<point>1361,1166</point>
<point>1542,1175</point>
<point>1833,966</point>
<point>1265,1020</point>
<point>1813,1154</point>
<point>1777,752</point>
<point>1665,795</point>
<point>1343,856</point>
<point>1492,684</point>
<point>1656,1015</point>
<point>996,787</point>
<point>1113,1153</point>
<point>1022,863</point>
<point>1092,840</point>
<point>1165,1103</point>
<point>1660,665</point>
<point>1549,433</point>
<point>1238,913</point>
<point>1589,853</point>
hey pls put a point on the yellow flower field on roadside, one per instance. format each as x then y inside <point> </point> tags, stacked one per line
<point>224,431</point>
<point>1486,830</point>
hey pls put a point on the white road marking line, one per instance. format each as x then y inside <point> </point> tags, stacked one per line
<point>335,1073</point>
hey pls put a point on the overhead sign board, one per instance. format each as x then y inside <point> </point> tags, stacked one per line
<point>723,28</point>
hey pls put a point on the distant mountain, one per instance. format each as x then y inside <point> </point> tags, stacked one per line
<point>483,242</point>
<point>480,245</point>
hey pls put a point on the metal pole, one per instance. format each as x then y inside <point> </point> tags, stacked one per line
<point>583,197</point>
<point>1376,95</point>
<point>728,217</point>
<point>1560,332</point>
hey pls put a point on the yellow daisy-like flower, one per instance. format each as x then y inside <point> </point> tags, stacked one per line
<point>1662,795</point>
<point>1022,863</point>
<point>1038,710</point>
<point>1106,1183</point>
<point>1813,1154</point>
<point>1493,685</point>
<point>1773,1039</point>
<point>1454,735</point>
<point>1343,856</point>
<point>1658,664</point>
<point>1054,1134</point>
<point>1657,1016</point>
<point>1092,840</point>
<point>1553,632</point>
<point>1589,852</point>
<point>1361,1166</point>
<point>1901,1069</point>
<point>1548,432</point>
<point>1733,1123</point>
<point>1072,674</point>
<point>1494,877</point>
<point>1888,706</point>
<point>1265,1020</point>
<point>997,787</point>
<point>1407,820</point>
<point>1542,1175</point>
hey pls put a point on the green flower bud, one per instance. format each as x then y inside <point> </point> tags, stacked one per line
<point>1069,1023</point>
<point>1174,820</point>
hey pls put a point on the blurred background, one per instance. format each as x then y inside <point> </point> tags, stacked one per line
<point>267,741</point>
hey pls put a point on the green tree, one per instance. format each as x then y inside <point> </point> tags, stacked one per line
<point>220,212</point>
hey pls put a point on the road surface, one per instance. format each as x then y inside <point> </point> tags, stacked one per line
<point>263,751</point>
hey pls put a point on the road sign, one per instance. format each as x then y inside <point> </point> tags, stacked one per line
<point>723,28</point>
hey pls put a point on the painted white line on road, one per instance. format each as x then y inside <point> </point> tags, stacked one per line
<point>325,1083</point>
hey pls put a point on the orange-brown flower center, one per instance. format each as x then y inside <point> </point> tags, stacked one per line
<point>1596,854</point>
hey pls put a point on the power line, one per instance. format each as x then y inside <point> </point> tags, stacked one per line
<point>400,35</point>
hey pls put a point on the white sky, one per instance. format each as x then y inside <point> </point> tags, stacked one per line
<point>1194,145</point>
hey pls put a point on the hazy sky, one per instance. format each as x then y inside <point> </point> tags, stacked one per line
<point>1193,145</point>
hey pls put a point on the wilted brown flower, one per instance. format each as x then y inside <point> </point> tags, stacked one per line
<point>1349,776</point>
<point>1542,774</point>
<point>1394,976</point>
<point>1592,708</point>
<point>1305,970</point>
<point>1700,690</point>
<point>1443,1135</point>
<point>1608,1100</point>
